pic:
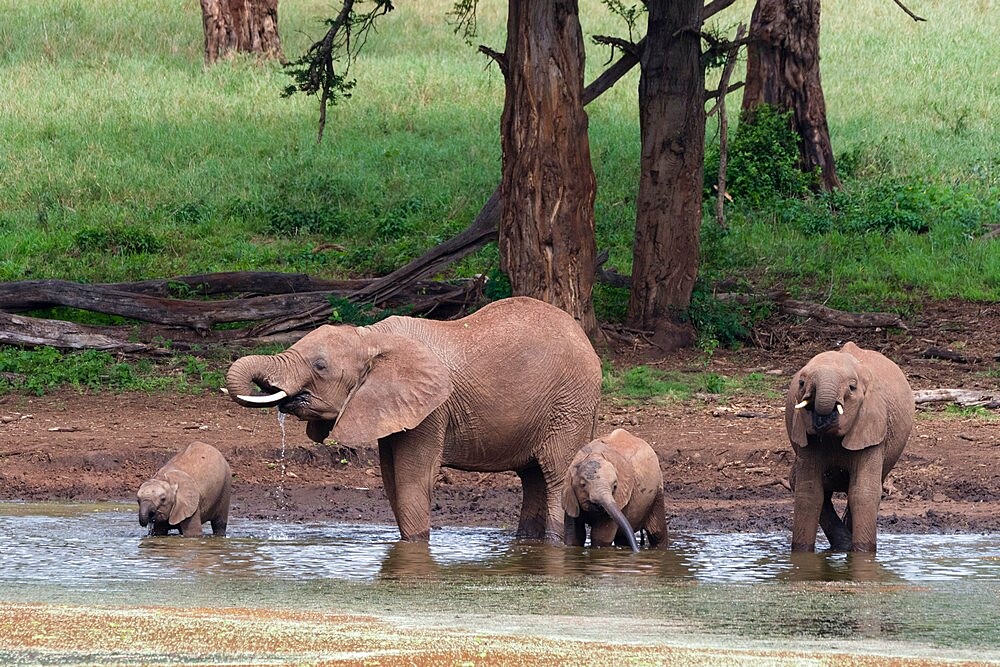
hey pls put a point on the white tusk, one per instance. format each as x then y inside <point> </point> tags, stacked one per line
<point>802,404</point>
<point>271,398</point>
<point>840,408</point>
<point>224,390</point>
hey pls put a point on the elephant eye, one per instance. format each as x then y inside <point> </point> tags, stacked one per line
<point>852,387</point>
<point>320,364</point>
<point>802,383</point>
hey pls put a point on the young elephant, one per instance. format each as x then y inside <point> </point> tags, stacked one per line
<point>848,415</point>
<point>614,485</point>
<point>190,489</point>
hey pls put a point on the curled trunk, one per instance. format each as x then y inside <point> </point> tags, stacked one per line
<point>247,374</point>
<point>609,506</point>
<point>825,401</point>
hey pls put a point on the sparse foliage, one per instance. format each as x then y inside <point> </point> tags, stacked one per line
<point>325,68</point>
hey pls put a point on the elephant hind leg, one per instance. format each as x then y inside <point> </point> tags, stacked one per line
<point>836,531</point>
<point>533,523</point>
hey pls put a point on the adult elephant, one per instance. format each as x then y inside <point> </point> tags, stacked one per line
<point>514,386</point>
<point>848,413</point>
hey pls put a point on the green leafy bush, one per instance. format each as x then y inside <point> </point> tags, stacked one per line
<point>763,160</point>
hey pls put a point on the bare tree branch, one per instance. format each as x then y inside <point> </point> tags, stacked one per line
<point>317,70</point>
<point>908,12</point>
<point>727,72</point>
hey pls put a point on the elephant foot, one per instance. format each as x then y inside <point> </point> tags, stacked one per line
<point>422,536</point>
<point>796,546</point>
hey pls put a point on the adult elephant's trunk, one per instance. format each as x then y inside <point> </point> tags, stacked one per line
<point>609,505</point>
<point>248,373</point>
<point>146,513</point>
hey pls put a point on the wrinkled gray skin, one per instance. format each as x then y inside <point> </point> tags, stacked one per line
<point>514,386</point>
<point>850,452</point>
<point>190,489</point>
<point>614,485</point>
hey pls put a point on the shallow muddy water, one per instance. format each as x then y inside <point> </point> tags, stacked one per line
<point>935,596</point>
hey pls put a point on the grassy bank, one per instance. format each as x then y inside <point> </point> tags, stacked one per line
<point>122,157</point>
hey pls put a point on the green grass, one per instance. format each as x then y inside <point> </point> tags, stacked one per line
<point>45,369</point>
<point>124,158</point>
<point>646,383</point>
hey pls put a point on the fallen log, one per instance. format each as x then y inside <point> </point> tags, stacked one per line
<point>948,355</point>
<point>818,311</point>
<point>841,317</point>
<point>236,282</point>
<point>963,397</point>
<point>34,332</point>
<point>198,315</point>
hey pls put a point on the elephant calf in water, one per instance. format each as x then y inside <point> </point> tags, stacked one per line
<point>190,489</point>
<point>614,484</point>
<point>848,413</point>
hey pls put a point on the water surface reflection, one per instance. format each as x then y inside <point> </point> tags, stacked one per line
<point>933,590</point>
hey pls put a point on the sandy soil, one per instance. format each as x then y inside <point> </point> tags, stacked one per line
<point>723,459</point>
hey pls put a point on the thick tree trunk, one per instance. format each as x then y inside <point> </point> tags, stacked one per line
<point>547,188</point>
<point>240,26</point>
<point>783,71</point>
<point>668,215</point>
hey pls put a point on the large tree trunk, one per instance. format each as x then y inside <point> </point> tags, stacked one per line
<point>547,245</point>
<point>783,71</point>
<point>668,215</point>
<point>240,26</point>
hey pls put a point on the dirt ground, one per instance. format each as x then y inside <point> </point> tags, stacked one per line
<point>724,460</point>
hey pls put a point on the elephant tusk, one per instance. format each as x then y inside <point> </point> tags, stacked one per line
<point>224,390</point>
<point>270,398</point>
<point>802,404</point>
<point>840,409</point>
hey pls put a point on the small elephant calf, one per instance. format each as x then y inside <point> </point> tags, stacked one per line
<point>614,484</point>
<point>189,490</point>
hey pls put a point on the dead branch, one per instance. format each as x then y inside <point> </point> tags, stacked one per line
<point>236,282</point>
<point>623,45</point>
<point>843,318</point>
<point>727,71</point>
<point>948,355</point>
<point>994,232</point>
<point>714,7</point>
<point>963,397</point>
<point>908,12</point>
<point>34,332</point>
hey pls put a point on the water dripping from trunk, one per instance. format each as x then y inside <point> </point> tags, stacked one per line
<point>280,491</point>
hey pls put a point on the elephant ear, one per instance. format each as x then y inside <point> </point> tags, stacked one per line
<point>626,477</point>
<point>571,506</point>
<point>872,423</point>
<point>402,383</point>
<point>795,420</point>
<point>186,496</point>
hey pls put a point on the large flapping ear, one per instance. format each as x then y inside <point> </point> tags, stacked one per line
<point>571,506</point>
<point>186,496</point>
<point>403,383</point>
<point>795,418</point>
<point>626,476</point>
<point>872,423</point>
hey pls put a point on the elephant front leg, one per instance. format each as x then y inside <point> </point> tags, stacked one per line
<point>603,532</point>
<point>863,498</point>
<point>656,524</point>
<point>191,526</point>
<point>808,503</point>
<point>408,473</point>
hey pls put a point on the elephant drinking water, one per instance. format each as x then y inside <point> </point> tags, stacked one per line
<point>514,386</point>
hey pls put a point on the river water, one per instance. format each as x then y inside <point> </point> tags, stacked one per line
<point>927,595</point>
